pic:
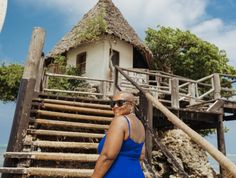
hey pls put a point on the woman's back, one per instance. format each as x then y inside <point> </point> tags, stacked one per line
<point>128,157</point>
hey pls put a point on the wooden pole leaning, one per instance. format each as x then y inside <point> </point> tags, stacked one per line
<point>215,153</point>
<point>25,94</point>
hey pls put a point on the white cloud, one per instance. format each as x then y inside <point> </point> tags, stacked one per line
<point>184,14</point>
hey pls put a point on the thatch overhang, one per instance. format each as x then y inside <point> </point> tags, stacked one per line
<point>103,20</point>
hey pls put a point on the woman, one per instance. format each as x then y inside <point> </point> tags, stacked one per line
<point>123,146</point>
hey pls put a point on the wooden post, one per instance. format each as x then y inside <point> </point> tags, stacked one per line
<point>25,94</point>
<point>221,139</point>
<point>217,86</point>
<point>45,81</point>
<point>104,90</point>
<point>220,123</point>
<point>192,92</point>
<point>146,110</point>
<point>175,93</point>
<point>40,73</point>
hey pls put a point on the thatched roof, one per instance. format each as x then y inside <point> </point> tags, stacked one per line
<point>103,19</point>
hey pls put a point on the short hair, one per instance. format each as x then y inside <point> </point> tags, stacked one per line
<point>126,95</point>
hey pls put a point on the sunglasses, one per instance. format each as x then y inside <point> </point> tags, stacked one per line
<point>119,103</point>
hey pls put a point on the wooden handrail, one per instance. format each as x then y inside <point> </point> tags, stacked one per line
<point>216,154</point>
<point>77,77</point>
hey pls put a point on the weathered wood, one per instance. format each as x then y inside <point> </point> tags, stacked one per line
<point>11,170</point>
<point>26,92</point>
<point>175,93</point>
<point>78,109</point>
<point>58,144</point>
<point>70,124</point>
<point>216,106</point>
<point>48,172</point>
<point>39,78</point>
<point>192,93</point>
<point>221,139</point>
<point>77,77</point>
<point>73,103</point>
<point>217,86</point>
<point>72,92</point>
<point>74,98</point>
<point>146,112</point>
<point>73,116</point>
<point>64,133</point>
<point>53,156</point>
<point>149,141</point>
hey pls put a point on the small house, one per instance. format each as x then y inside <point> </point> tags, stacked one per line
<point>102,38</point>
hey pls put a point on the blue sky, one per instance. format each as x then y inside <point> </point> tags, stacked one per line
<point>211,20</point>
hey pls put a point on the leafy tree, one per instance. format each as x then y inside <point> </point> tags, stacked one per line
<point>10,76</point>
<point>183,53</point>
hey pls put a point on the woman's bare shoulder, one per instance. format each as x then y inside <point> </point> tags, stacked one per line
<point>119,121</point>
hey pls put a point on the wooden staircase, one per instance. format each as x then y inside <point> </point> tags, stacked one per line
<point>62,138</point>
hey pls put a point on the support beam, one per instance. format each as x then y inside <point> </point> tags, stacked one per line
<point>221,139</point>
<point>147,113</point>
<point>175,93</point>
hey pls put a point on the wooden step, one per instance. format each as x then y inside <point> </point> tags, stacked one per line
<point>77,109</point>
<point>51,172</point>
<point>48,172</point>
<point>53,156</point>
<point>50,123</point>
<point>59,144</point>
<point>13,170</point>
<point>73,103</point>
<point>73,116</point>
<point>64,133</point>
<point>74,98</point>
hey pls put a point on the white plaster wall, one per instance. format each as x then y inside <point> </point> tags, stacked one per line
<point>97,61</point>
<point>125,50</point>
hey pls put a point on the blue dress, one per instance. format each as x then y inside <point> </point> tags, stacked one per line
<point>127,163</point>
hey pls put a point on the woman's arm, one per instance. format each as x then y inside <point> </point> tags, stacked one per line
<point>142,156</point>
<point>111,148</point>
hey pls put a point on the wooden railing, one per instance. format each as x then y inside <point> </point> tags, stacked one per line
<point>102,88</point>
<point>151,101</point>
<point>173,89</point>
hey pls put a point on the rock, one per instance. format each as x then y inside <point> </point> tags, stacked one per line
<point>188,154</point>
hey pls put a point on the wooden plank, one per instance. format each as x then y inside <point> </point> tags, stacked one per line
<point>64,133</point>
<point>216,106</point>
<point>59,172</point>
<point>71,92</point>
<point>70,124</point>
<point>53,156</point>
<point>12,170</point>
<point>77,77</point>
<point>58,144</point>
<point>73,103</point>
<point>78,109</point>
<point>73,116</point>
<point>74,98</point>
